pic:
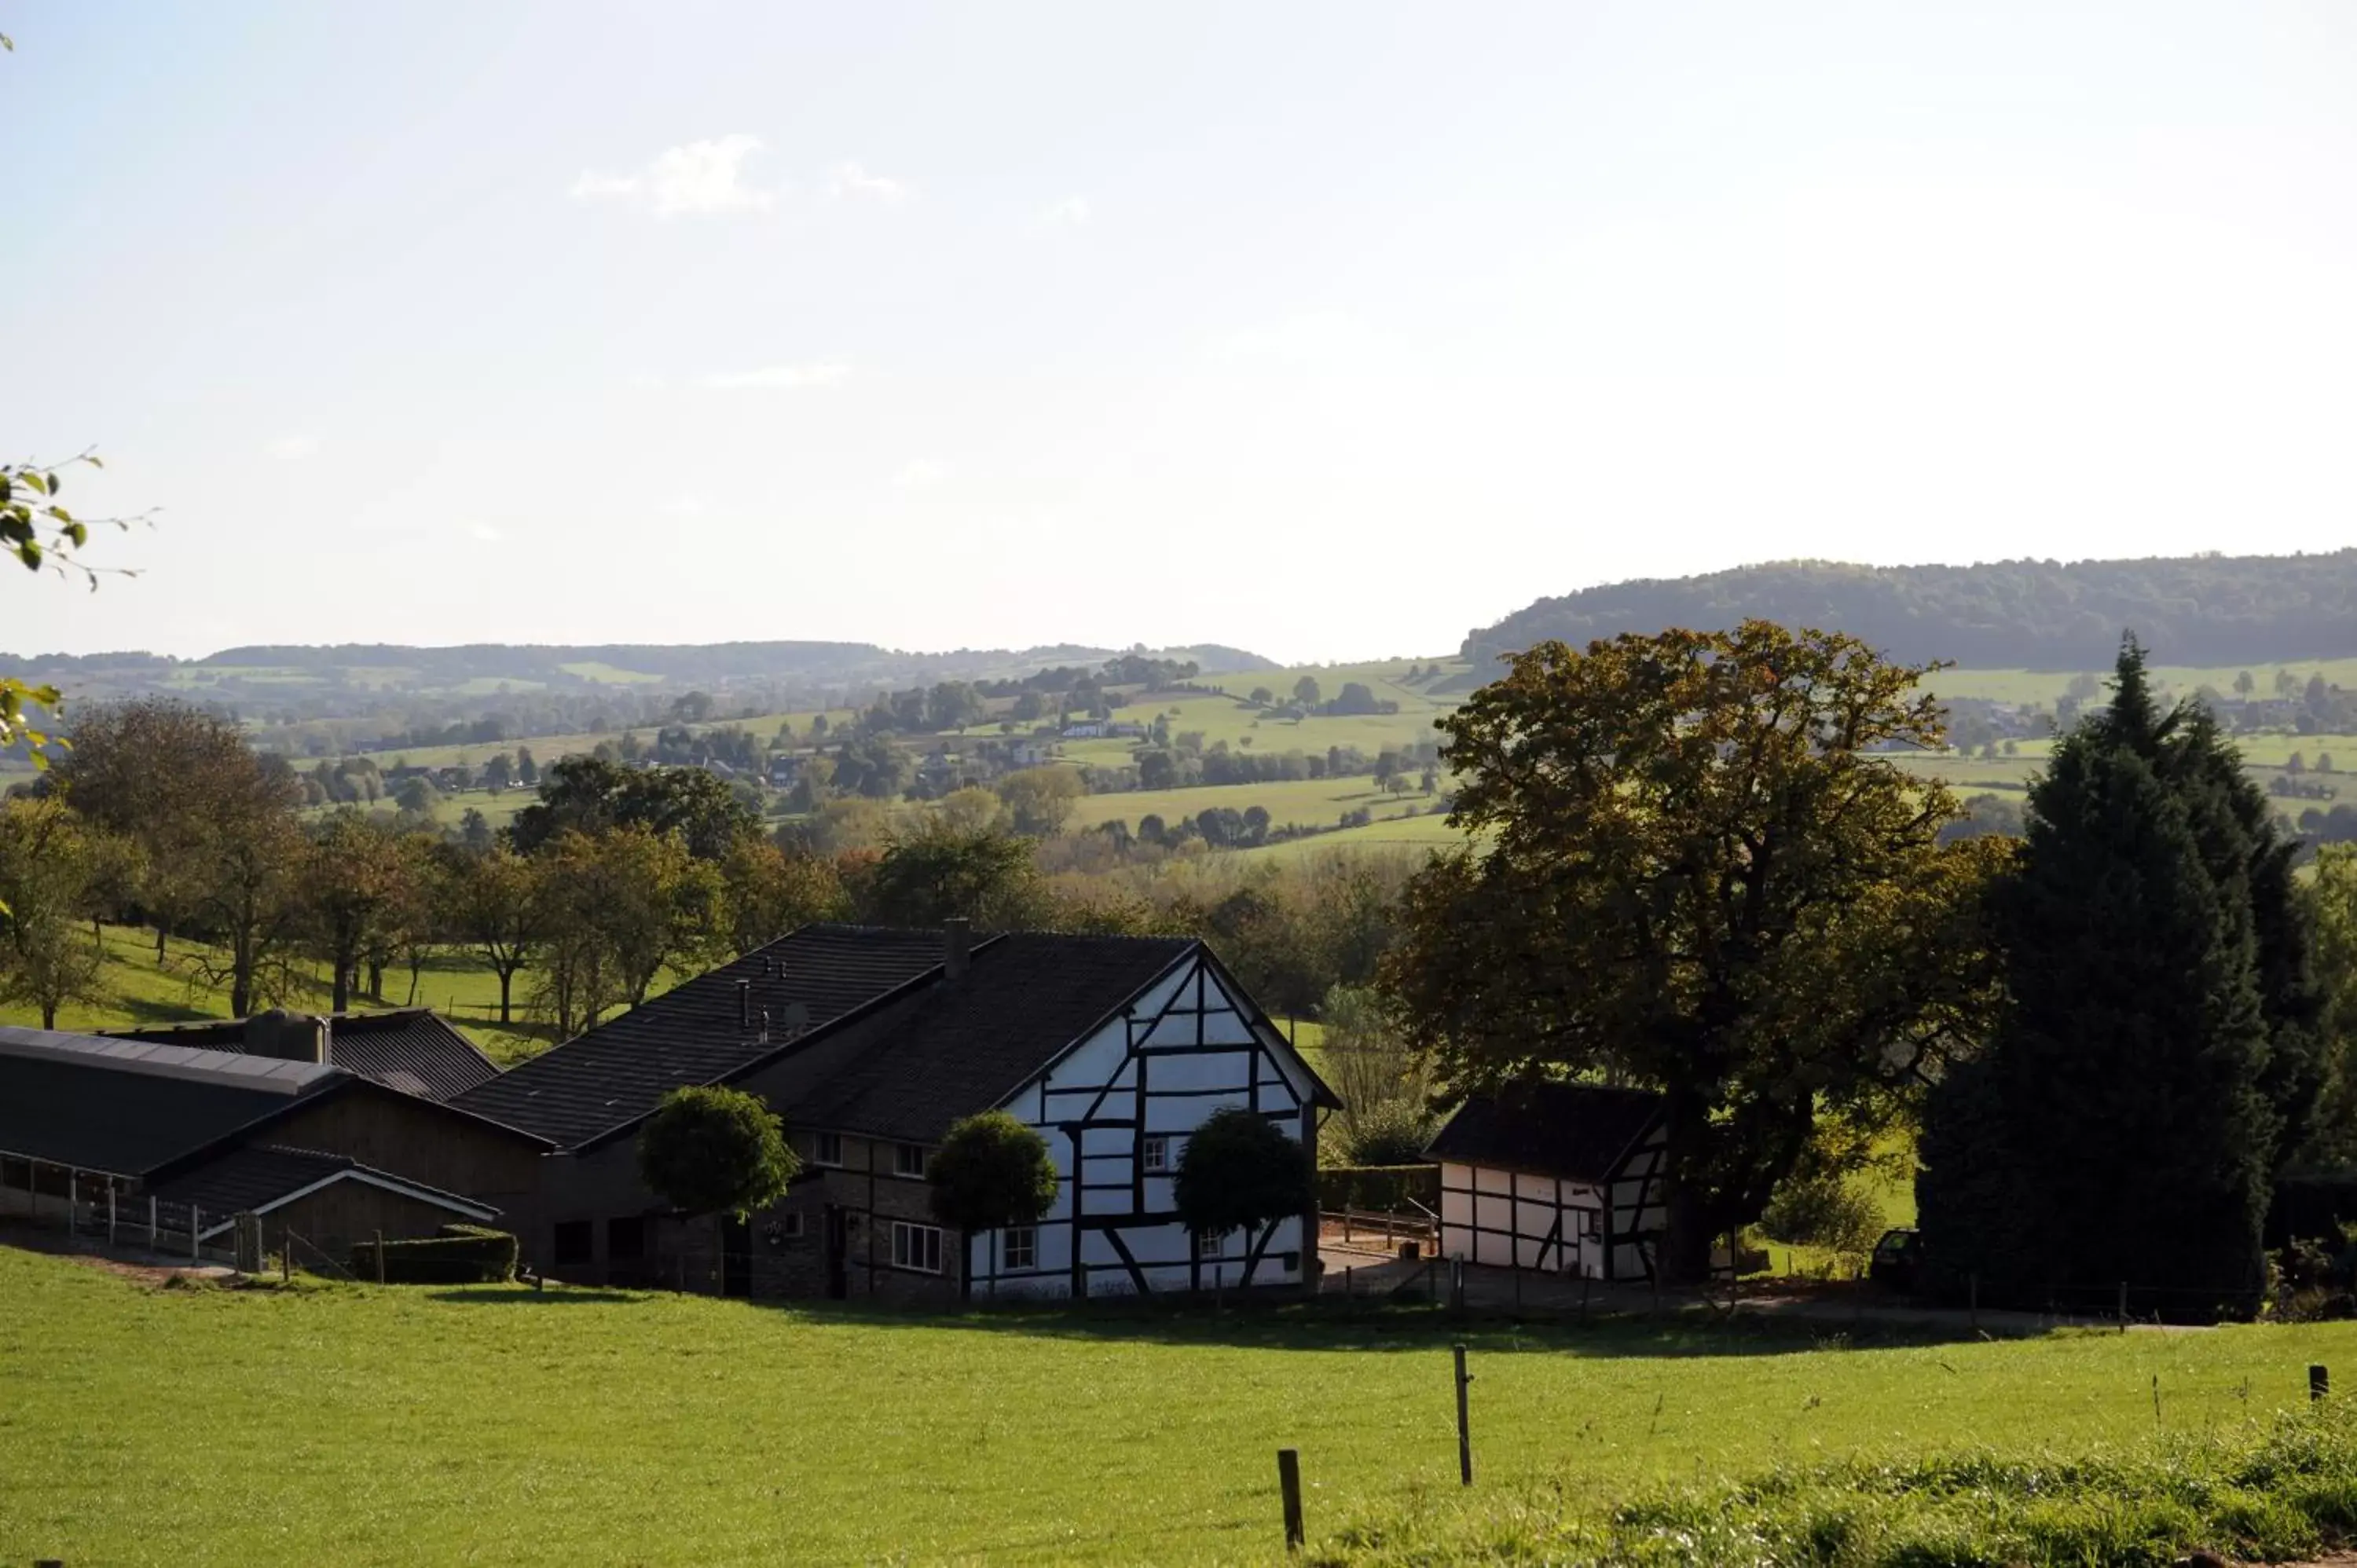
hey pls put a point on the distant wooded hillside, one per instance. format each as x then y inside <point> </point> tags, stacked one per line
<point>2042,615</point>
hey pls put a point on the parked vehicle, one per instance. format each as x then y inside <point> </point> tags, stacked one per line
<point>1896,1260</point>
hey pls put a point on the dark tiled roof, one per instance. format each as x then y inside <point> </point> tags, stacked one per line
<point>613,1075</point>
<point>909,1069</point>
<point>105,1117</point>
<point>409,1048</point>
<point>412,1050</point>
<point>255,1177</point>
<point>1574,1130</point>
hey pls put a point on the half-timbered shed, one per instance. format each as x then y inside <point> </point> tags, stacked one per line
<point>1557,1178</point>
<point>1114,1048</point>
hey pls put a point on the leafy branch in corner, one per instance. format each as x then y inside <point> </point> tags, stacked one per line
<point>29,508</point>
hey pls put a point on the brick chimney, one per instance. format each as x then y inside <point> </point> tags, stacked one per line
<point>957,938</point>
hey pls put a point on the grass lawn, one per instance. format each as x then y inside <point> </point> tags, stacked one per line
<point>354,1424</point>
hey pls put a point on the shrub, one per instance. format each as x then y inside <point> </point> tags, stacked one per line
<point>460,1255</point>
<point>1379,1188</point>
<point>1821,1208</point>
<point>1393,1132</point>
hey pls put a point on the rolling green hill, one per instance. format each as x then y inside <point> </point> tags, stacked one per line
<point>2045,614</point>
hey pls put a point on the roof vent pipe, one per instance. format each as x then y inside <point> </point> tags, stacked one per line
<point>744,1005</point>
<point>956,936</point>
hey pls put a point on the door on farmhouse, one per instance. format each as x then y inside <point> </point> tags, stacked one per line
<point>736,1256</point>
<point>838,1249</point>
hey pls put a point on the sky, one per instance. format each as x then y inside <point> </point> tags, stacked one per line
<point>1330,331</point>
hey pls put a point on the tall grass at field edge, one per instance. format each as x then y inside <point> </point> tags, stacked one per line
<point>2273,1490</point>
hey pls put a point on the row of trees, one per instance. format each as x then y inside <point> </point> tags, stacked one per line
<point>612,879</point>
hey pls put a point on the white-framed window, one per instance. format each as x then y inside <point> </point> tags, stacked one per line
<point>909,1159</point>
<point>793,1224</point>
<point>1156,1150</point>
<point>1210,1243</point>
<point>826,1148</point>
<point>917,1247</point>
<point>1021,1250</point>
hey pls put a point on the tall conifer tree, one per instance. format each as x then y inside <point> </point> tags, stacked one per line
<point>2118,1126</point>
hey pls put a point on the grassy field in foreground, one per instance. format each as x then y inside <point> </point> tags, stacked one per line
<point>355,1424</point>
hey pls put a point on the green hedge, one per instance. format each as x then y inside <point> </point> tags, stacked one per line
<point>460,1255</point>
<point>1378,1187</point>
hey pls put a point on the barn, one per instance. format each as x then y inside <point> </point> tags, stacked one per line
<point>148,1140</point>
<point>1557,1178</point>
<point>870,1043</point>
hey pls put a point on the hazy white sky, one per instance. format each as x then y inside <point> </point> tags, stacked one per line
<point>1326,330</point>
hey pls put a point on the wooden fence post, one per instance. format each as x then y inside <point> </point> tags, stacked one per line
<point>1289,1481</point>
<point>151,1221</point>
<point>110,1214</point>
<point>379,1257</point>
<point>2320,1382</point>
<point>1464,1422</point>
<point>196,1230</point>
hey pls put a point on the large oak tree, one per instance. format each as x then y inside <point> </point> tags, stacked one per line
<point>1697,866</point>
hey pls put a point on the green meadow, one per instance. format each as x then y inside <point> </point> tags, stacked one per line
<point>427,1425</point>
<point>134,991</point>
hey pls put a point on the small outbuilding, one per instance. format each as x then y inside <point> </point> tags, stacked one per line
<point>1557,1178</point>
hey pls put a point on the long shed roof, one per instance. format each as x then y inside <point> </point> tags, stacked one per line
<point>130,1109</point>
<point>408,1049</point>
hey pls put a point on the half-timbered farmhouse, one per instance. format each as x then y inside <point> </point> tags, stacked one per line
<point>1558,1178</point>
<point>870,1043</point>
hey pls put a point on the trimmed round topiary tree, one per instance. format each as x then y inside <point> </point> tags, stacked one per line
<point>711,1150</point>
<point>992,1171</point>
<point>1240,1172</point>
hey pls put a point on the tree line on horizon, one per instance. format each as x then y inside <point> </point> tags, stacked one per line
<point>2203,610</point>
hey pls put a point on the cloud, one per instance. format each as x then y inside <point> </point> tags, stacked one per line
<point>484,533</point>
<point>920,474</point>
<point>1072,212</point>
<point>853,182</point>
<point>779,378</point>
<point>292,449</point>
<point>1312,337</point>
<point>698,178</point>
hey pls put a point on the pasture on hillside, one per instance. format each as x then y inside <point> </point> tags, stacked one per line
<point>354,1423</point>
<point>135,992</point>
<point>1310,803</point>
<point>2043,686</point>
